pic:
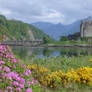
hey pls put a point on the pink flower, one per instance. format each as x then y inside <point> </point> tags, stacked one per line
<point>28,83</point>
<point>13,74</point>
<point>1,90</point>
<point>17,78</point>
<point>0,67</point>
<point>12,56</point>
<point>21,74</point>
<point>10,50</point>
<point>9,88</point>
<point>14,66</point>
<point>29,90</point>
<point>8,76</point>
<point>2,51</point>
<point>18,89</point>
<point>2,62</point>
<point>1,54</point>
<point>15,83</point>
<point>0,80</point>
<point>14,61</point>
<point>7,69</point>
<point>21,85</point>
<point>23,65</point>
<point>26,73</point>
<point>22,80</point>
<point>32,82</point>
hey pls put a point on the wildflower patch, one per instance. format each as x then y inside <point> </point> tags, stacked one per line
<point>14,75</point>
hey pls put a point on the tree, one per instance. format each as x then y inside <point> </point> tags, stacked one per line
<point>63,38</point>
<point>46,39</point>
<point>74,36</point>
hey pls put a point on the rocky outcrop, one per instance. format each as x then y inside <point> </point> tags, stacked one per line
<point>31,35</point>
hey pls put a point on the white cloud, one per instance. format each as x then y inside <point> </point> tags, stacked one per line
<point>5,12</point>
<point>46,10</point>
<point>50,16</point>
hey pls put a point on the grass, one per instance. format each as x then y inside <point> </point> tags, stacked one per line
<point>62,43</point>
<point>63,63</point>
<point>74,89</point>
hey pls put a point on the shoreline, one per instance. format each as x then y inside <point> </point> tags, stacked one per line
<point>56,46</point>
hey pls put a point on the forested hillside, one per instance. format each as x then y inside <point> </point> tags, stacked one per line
<point>17,30</point>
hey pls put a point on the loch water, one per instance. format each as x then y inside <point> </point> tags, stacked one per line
<point>26,53</point>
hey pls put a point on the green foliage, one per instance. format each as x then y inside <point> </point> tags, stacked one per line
<point>63,63</point>
<point>17,30</point>
<point>63,38</point>
<point>3,20</point>
<point>46,39</point>
<point>74,36</point>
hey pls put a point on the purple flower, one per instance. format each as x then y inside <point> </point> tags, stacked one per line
<point>0,67</point>
<point>18,89</point>
<point>21,85</point>
<point>21,74</point>
<point>14,66</point>
<point>15,83</point>
<point>26,73</point>
<point>2,51</point>
<point>32,82</point>
<point>29,90</point>
<point>7,69</point>
<point>22,80</point>
<point>9,88</point>
<point>2,62</point>
<point>0,80</point>
<point>17,78</point>
<point>12,56</point>
<point>28,83</point>
<point>1,90</point>
<point>14,61</point>
<point>14,79</point>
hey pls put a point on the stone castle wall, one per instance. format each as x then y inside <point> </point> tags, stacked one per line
<point>86,29</point>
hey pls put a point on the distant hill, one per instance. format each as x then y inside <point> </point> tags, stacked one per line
<point>57,30</point>
<point>18,30</point>
<point>88,18</point>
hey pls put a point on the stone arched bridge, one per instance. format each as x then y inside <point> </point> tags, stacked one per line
<point>22,43</point>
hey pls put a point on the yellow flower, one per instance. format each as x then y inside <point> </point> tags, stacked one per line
<point>29,66</point>
<point>90,60</point>
<point>50,79</point>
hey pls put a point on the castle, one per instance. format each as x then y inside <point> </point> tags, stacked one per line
<point>86,29</point>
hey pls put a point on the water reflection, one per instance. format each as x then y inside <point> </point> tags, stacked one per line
<point>26,53</point>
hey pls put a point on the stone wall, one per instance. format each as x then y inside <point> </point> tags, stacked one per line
<point>86,29</point>
<point>22,43</point>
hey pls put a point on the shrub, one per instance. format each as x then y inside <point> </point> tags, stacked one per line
<point>56,79</point>
<point>14,75</point>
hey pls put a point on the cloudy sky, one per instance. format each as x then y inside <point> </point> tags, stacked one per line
<point>55,11</point>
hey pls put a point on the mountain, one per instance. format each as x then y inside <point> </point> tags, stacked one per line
<point>58,30</point>
<point>88,18</point>
<point>18,30</point>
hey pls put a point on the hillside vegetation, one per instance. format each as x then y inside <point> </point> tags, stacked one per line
<point>18,30</point>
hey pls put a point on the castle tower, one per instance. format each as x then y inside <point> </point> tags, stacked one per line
<point>86,29</point>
